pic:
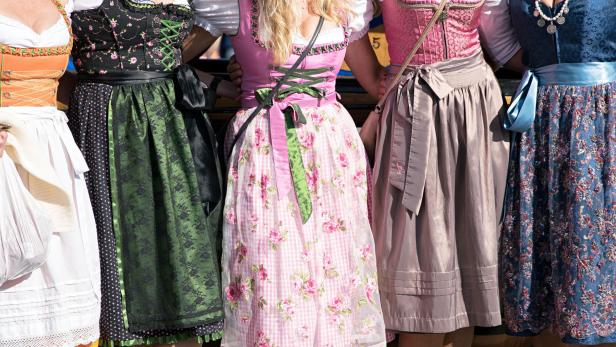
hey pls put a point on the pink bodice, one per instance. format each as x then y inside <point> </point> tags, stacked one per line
<point>256,61</point>
<point>322,65</point>
<point>455,37</point>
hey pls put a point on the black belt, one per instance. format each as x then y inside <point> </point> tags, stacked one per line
<point>185,78</point>
<point>119,78</point>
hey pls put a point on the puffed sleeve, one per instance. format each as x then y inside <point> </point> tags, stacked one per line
<point>497,34</point>
<point>361,14</point>
<point>217,16</point>
<point>82,5</point>
<point>69,7</point>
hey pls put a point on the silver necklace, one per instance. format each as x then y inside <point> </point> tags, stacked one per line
<point>559,18</point>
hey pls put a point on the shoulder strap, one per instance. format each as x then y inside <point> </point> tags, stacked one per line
<point>280,83</point>
<point>418,43</point>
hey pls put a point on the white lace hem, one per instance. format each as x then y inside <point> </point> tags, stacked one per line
<point>71,338</point>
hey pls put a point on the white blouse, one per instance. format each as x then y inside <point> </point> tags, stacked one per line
<point>498,37</point>
<point>222,17</point>
<point>16,34</point>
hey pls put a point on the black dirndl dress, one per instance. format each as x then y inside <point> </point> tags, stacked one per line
<point>154,180</point>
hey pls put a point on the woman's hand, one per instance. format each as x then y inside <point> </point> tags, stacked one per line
<point>3,137</point>
<point>235,72</point>
<point>228,90</point>
<point>224,88</point>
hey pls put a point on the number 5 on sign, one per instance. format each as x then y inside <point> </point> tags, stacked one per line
<point>379,44</point>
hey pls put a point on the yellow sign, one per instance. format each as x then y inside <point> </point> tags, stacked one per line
<point>379,44</point>
<point>378,40</point>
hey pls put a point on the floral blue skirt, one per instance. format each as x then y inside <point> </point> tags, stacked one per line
<point>558,244</point>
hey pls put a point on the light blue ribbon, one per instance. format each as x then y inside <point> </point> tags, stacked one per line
<point>521,112</point>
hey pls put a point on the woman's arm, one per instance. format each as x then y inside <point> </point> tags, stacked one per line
<point>224,88</point>
<point>516,62</point>
<point>365,66</point>
<point>196,43</point>
<point>212,18</point>
<point>66,87</point>
<point>498,36</point>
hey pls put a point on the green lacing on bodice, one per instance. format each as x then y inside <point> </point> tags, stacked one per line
<point>170,31</point>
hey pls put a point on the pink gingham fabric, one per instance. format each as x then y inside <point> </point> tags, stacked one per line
<point>288,284</point>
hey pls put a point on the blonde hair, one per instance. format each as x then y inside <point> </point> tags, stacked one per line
<point>279,20</point>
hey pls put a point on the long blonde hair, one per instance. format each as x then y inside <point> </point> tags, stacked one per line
<point>279,20</point>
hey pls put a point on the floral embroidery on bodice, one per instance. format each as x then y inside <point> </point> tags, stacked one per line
<point>456,35</point>
<point>126,35</point>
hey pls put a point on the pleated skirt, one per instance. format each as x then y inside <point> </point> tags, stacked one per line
<point>438,267</point>
<point>57,304</point>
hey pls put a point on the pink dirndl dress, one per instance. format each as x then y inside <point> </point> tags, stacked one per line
<point>298,252</point>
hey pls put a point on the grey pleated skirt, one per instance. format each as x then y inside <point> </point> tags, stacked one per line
<point>439,180</point>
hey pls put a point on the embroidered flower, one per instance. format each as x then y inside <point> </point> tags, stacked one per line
<point>332,225</point>
<point>359,179</point>
<point>233,175</point>
<point>253,221</point>
<point>336,309</point>
<point>242,251</point>
<point>312,178</point>
<point>236,290</point>
<point>264,187</point>
<point>339,182</point>
<point>260,271</point>
<point>366,252</point>
<point>306,285</point>
<point>317,119</point>
<point>370,289</point>
<point>329,268</point>
<point>306,139</point>
<point>309,287</point>
<point>349,140</point>
<point>275,238</point>
<point>258,137</point>
<point>230,216</point>
<point>343,160</point>
<point>262,340</point>
<point>286,308</point>
<point>260,141</point>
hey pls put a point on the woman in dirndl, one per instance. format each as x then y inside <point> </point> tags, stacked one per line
<point>298,253</point>
<point>155,182</point>
<point>558,243</point>
<point>49,263</point>
<point>439,173</point>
